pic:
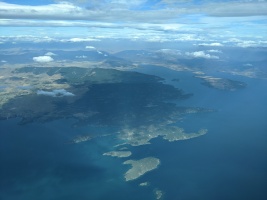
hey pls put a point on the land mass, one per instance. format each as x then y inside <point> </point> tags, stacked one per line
<point>92,96</point>
<point>222,83</point>
<point>143,135</point>
<point>140,167</point>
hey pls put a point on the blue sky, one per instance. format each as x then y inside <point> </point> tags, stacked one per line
<point>149,20</point>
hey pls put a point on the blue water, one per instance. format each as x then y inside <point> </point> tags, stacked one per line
<point>230,162</point>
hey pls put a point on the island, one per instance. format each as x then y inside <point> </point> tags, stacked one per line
<point>119,154</point>
<point>140,167</point>
<point>158,194</point>
<point>144,184</point>
<point>80,138</point>
<point>221,83</point>
<point>143,135</point>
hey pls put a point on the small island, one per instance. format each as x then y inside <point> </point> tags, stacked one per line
<point>158,194</point>
<point>144,184</point>
<point>80,138</point>
<point>140,167</point>
<point>119,154</point>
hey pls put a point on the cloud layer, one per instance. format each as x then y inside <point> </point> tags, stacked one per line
<point>154,21</point>
<point>123,10</point>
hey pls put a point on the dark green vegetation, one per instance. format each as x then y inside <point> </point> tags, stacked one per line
<point>102,97</point>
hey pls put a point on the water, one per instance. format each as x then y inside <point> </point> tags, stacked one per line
<point>229,162</point>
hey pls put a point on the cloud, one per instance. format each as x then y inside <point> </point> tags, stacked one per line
<point>254,42</point>
<point>55,93</point>
<point>26,38</point>
<point>50,54</point>
<point>214,51</point>
<point>51,11</point>
<point>152,21</point>
<point>121,10</point>
<point>237,9</point>
<point>214,44</point>
<point>247,65</point>
<point>201,54</point>
<point>248,43</point>
<point>82,39</point>
<point>90,48</point>
<point>43,59</point>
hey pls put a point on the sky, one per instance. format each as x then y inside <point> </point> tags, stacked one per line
<point>242,22</point>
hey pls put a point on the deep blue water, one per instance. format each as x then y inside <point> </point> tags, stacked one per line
<point>230,162</point>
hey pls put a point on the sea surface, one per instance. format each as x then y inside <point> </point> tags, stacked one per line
<point>37,160</point>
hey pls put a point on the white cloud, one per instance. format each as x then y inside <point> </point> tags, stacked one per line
<point>3,61</point>
<point>83,39</point>
<point>253,42</point>
<point>237,9</point>
<point>43,59</point>
<point>26,38</point>
<point>248,65</point>
<point>214,51</point>
<point>90,48</point>
<point>156,38</point>
<point>248,43</point>
<point>50,54</point>
<point>126,3</point>
<point>201,54</point>
<point>157,21</point>
<point>120,10</point>
<point>51,11</point>
<point>214,44</point>
<point>55,93</point>
<point>188,37</point>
